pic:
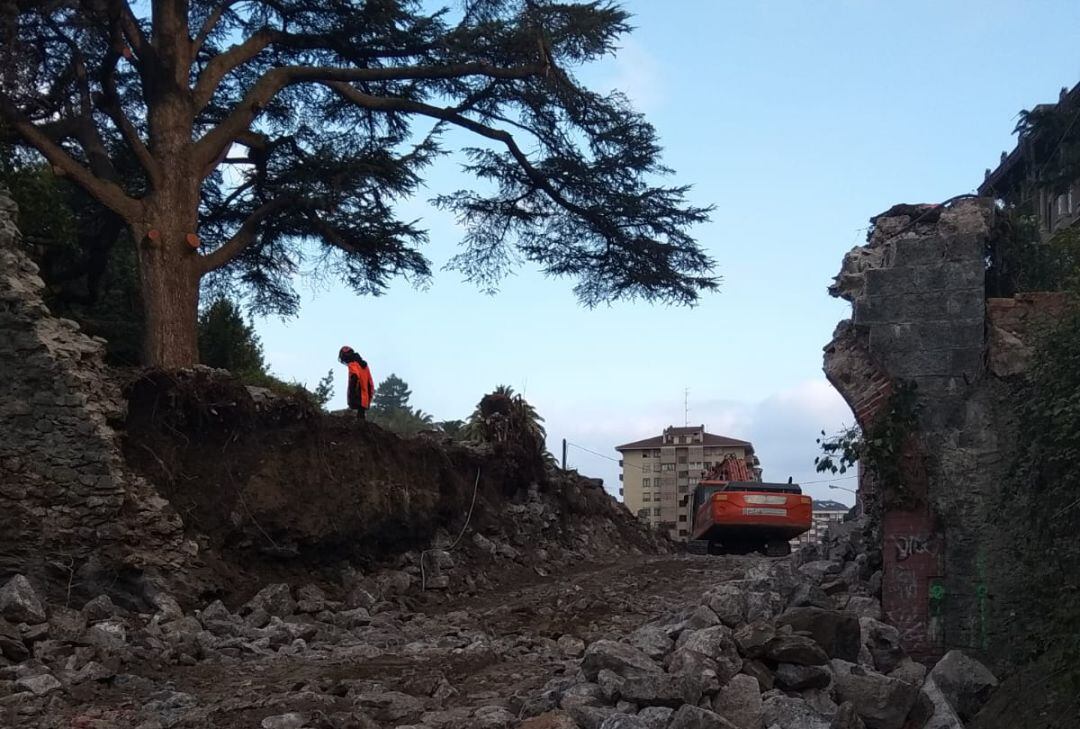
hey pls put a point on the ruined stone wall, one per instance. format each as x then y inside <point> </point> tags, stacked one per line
<point>919,314</point>
<point>71,515</point>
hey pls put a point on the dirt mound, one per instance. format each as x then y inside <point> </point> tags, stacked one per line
<point>272,488</point>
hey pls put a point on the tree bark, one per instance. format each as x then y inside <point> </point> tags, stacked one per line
<point>169,275</point>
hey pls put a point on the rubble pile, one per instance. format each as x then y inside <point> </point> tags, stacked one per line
<point>796,644</point>
<point>732,642</point>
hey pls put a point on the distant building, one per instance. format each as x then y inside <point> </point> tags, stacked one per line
<point>1014,180</point>
<point>659,473</point>
<point>825,512</point>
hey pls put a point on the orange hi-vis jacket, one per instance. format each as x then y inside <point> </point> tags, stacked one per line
<point>361,385</point>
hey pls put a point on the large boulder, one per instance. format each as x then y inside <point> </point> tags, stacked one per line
<point>837,632</point>
<point>621,658</point>
<point>694,717</point>
<point>662,689</point>
<point>792,677</point>
<point>656,717</point>
<point>19,603</point>
<point>883,643</point>
<point>275,600</point>
<point>942,714</point>
<point>11,643</point>
<point>753,637</point>
<point>784,712</point>
<point>964,682</point>
<point>881,701</point>
<point>717,644</point>
<point>740,702</point>
<point>624,721</point>
<point>653,641</point>
<point>728,601</point>
<point>799,649</point>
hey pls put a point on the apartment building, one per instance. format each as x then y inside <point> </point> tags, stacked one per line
<point>659,473</point>
<point>826,512</point>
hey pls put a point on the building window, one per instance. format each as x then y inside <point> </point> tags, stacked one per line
<point>684,488</point>
<point>644,454</point>
<point>646,482</point>
<point>682,459</point>
<point>682,517</point>
<point>646,497</point>
<point>656,511</point>
<point>684,474</point>
<point>668,467</point>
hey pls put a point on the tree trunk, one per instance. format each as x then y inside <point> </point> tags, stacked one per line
<point>169,276</point>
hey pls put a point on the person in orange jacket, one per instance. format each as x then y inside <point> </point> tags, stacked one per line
<point>361,385</point>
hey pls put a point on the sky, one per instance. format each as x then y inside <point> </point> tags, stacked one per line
<point>798,121</point>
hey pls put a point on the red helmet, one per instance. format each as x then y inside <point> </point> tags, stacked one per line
<point>344,352</point>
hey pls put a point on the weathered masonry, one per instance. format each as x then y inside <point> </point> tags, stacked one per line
<point>72,516</point>
<point>920,316</point>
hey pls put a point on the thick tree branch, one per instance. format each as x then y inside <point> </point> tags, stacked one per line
<point>210,147</point>
<point>109,102</point>
<point>453,116</point>
<point>129,24</point>
<point>108,193</point>
<point>245,236</point>
<point>209,24</point>
<point>223,63</point>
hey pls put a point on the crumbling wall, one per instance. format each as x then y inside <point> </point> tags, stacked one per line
<point>919,315</point>
<point>71,515</point>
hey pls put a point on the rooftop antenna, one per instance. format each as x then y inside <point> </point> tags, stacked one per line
<point>686,407</point>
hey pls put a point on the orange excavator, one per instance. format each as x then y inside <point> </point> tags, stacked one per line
<point>732,513</point>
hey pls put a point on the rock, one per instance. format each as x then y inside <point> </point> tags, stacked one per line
<point>810,595</point>
<point>591,717</point>
<point>653,641</point>
<point>624,721</point>
<point>692,663</point>
<point>942,714</point>
<point>66,624</point>
<point>883,643</point>
<point>783,712</point>
<point>11,643</point>
<point>729,603</point>
<point>819,570</point>
<point>92,671</point>
<point>292,720</point>
<point>39,685</point>
<point>882,702</point>
<point>582,694</point>
<point>740,702</point>
<point>19,603</point>
<point>694,717</point>
<point>838,633</point>
<point>275,600</point>
<point>570,646</point>
<point>760,672</point>
<point>763,605</point>
<point>394,582</point>
<point>390,706</point>
<point>795,649</point>
<point>847,718</point>
<point>620,658</point>
<point>493,717</point>
<point>550,720</point>
<point>610,684</point>
<point>358,597</point>
<point>909,671</point>
<point>702,617</point>
<point>100,608</point>
<point>864,606</point>
<point>484,544</point>
<point>965,683</point>
<point>791,677</point>
<point>109,634</point>
<point>716,644</point>
<point>752,638</point>
<point>656,717</point>
<point>662,690</point>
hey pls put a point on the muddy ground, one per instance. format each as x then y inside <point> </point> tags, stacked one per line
<point>494,650</point>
